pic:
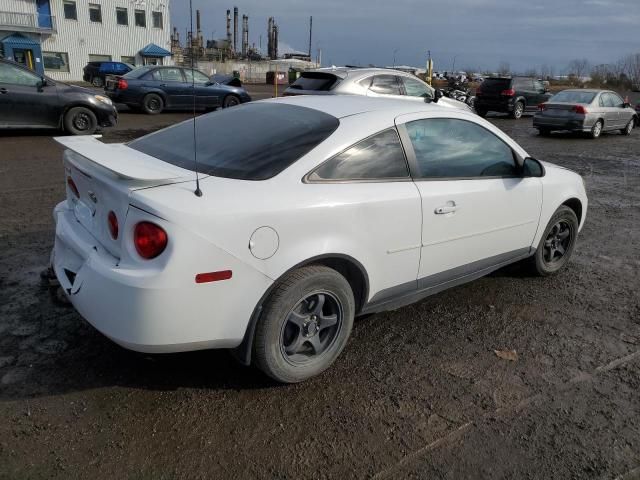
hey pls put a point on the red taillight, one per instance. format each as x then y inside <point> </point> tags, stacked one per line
<point>213,276</point>
<point>150,240</point>
<point>122,84</point>
<point>72,187</point>
<point>112,220</point>
<point>508,93</point>
<point>580,109</point>
<point>542,107</point>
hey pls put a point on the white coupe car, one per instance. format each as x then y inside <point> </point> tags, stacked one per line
<point>311,210</point>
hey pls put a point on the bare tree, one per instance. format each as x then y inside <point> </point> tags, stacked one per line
<point>578,69</point>
<point>531,72</point>
<point>632,67</point>
<point>546,71</point>
<point>504,68</point>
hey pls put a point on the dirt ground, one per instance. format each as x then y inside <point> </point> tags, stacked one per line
<point>417,393</point>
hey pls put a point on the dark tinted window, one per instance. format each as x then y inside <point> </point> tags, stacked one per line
<point>317,81</point>
<point>377,157</point>
<point>496,84</point>
<point>122,16</point>
<point>249,142</point>
<point>447,148</point>
<point>70,11</point>
<point>138,72</point>
<point>385,85</point>
<point>17,76</point>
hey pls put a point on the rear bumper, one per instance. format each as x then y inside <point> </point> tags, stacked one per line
<point>157,308</point>
<point>570,124</point>
<point>503,106</point>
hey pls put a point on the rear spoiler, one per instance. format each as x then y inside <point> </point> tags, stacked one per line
<point>122,161</point>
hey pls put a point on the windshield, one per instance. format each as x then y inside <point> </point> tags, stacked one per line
<point>249,142</point>
<point>573,96</point>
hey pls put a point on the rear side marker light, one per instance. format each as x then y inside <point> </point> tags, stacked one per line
<point>112,220</point>
<point>72,187</point>
<point>150,240</point>
<point>213,276</point>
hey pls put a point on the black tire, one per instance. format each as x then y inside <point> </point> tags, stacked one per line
<point>152,104</point>
<point>230,101</point>
<point>481,112</point>
<point>518,110</point>
<point>628,128</point>
<point>97,82</point>
<point>289,343</point>
<point>545,261</point>
<point>80,121</point>
<point>596,130</point>
<point>544,132</point>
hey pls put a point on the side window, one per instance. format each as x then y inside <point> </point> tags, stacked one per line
<point>17,76</point>
<point>377,157</point>
<point>385,85</point>
<point>538,86</point>
<point>415,88</point>
<point>617,101</point>
<point>609,100</point>
<point>198,76</point>
<point>170,75</point>
<point>451,148</point>
<point>601,100</point>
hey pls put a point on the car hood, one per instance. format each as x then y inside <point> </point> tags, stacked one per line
<point>65,87</point>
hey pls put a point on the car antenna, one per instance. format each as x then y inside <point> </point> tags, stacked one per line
<point>198,192</point>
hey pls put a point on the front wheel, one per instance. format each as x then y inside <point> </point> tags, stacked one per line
<point>230,101</point>
<point>152,104</point>
<point>518,110</point>
<point>557,242</point>
<point>627,130</point>
<point>305,324</point>
<point>80,121</point>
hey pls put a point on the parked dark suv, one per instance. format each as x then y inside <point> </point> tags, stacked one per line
<point>96,72</point>
<point>512,95</point>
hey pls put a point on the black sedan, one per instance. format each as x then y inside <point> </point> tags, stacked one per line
<point>28,100</point>
<point>154,89</point>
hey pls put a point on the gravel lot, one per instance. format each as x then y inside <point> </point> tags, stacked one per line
<point>417,393</point>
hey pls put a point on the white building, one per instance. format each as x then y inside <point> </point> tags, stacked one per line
<point>59,37</point>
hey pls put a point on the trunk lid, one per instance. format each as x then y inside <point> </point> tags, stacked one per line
<point>491,88</point>
<point>105,175</point>
<point>111,82</point>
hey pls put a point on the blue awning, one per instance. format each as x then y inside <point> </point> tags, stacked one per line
<point>19,41</point>
<point>153,50</point>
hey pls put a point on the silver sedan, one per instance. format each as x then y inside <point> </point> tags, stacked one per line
<point>586,110</point>
<point>371,82</point>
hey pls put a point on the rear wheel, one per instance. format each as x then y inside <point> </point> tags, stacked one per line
<point>97,82</point>
<point>80,121</point>
<point>557,242</point>
<point>152,103</point>
<point>627,130</point>
<point>596,130</point>
<point>518,110</point>
<point>305,324</point>
<point>230,101</point>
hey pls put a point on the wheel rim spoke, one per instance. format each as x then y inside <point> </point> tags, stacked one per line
<point>316,344</point>
<point>327,321</point>
<point>298,319</point>
<point>294,346</point>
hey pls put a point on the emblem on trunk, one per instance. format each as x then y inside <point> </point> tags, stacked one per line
<point>92,196</point>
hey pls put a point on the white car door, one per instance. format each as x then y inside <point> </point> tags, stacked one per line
<point>478,210</point>
<point>373,197</point>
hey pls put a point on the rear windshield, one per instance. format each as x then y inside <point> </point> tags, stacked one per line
<point>314,81</point>
<point>573,97</point>
<point>496,84</point>
<point>137,72</point>
<point>249,142</point>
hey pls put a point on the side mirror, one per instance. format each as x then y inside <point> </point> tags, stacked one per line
<point>532,168</point>
<point>438,95</point>
<point>41,84</point>
<point>626,105</point>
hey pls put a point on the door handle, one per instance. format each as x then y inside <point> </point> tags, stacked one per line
<point>450,207</point>
<point>3,90</point>
<point>163,84</point>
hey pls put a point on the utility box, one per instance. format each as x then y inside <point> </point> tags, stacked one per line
<point>277,77</point>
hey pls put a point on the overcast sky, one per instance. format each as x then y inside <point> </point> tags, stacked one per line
<point>478,33</point>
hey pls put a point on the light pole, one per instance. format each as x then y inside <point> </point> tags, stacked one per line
<point>394,57</point>
<point>453,65</point>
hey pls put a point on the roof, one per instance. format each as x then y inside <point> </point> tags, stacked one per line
<point>153,50</point>
<point>341,106</point>
<point>20,41</point>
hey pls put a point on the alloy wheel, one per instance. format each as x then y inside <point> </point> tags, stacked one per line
<point>311,327</point>
<point>81,121</point>
<point>597,129</point>
<point>518,110</point>
<point>558,242</point>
